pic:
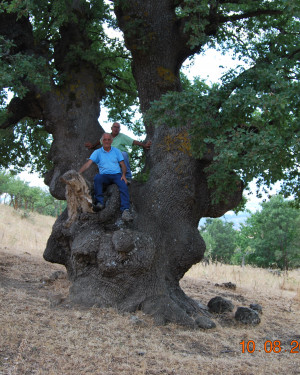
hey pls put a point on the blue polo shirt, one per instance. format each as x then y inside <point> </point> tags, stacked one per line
<point>107,161</point>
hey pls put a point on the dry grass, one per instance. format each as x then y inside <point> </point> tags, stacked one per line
<point>40,336</point>
<point>256,279</point>
<point>20,231</point>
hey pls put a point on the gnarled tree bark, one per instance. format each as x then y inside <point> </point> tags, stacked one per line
<point>138,265</point>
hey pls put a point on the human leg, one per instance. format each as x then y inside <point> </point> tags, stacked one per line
<point>99,180</point>
<point>126,161</point>
<point>124,193</point>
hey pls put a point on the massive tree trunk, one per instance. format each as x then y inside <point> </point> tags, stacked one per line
<point>111,262</point>
<point>138,264</point>
<point>71,116</point>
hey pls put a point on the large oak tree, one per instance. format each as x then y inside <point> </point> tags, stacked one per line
<point>58,61</point>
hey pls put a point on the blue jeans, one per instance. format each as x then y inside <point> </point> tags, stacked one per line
<point>126,161</point>
<point>108,179</point>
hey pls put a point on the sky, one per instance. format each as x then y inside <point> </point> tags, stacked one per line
<point>210,65</point>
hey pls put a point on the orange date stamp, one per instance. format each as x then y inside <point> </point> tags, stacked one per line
<point>270,347</point>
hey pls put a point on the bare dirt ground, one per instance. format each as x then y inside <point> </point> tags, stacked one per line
<point>42,333</point>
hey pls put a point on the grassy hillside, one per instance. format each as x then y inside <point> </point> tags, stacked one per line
<point>43,333</point>
<point>24,232</point>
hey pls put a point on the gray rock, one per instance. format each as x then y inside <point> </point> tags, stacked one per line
<point>228,285</point>
<point>256,307</point>
<point>219,305</point>
<point>123,241</point>
<point>246,315</point>
<point>204,322</point>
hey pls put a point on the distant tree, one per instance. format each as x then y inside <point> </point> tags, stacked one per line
<point>48,205</point>
<point>23,196</point>
<point>5,180</point>
<point>210,244</point>
<point>16,191</point>
<point>274,235</point>
<point>221,238</point>
<point>243,249</point>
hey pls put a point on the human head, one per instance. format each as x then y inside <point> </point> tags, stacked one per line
<point>115,129</point>
<point>106,140</point>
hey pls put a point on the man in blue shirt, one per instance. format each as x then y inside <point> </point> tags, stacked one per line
<point>121,141</point>
<point>110,163</point>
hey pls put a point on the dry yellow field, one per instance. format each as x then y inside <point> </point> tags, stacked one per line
<point>41,333</point>
<point>22,232</point>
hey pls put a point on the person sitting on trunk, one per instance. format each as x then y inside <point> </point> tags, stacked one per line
<point>121,141</point>
<point>112,170</point>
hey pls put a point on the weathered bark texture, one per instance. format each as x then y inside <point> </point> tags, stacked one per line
<point>138,265</point>
<point>71,116</point>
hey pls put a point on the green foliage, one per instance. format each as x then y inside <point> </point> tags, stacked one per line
<point>57,37</point>
<point>243,249</point>
<point>22,67</point>
<point>269,238</point>
<point>142,176</point>
<point>220,238</point>
<point>248,125</point>
<point>197,13</point>
<point>210,244</point>
<point>20,195</point>
<point>28,144</point>
<point>137,160</point>
<point>274,234</point>
<point>121,98</point>
<point>48,21</point>
<point>240,21</point>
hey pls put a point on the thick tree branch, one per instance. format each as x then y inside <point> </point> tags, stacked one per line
<point>293,54</point>
<point>17,30</point>
<point>227,89</point>
<point>256,13</point>
<point>215,19</point>
<point>18,109</point>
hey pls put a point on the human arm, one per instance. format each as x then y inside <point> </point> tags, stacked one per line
<point>92,146</point>
<point>146,145</point>
<point>86,166</point>
<point>124,169</point>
